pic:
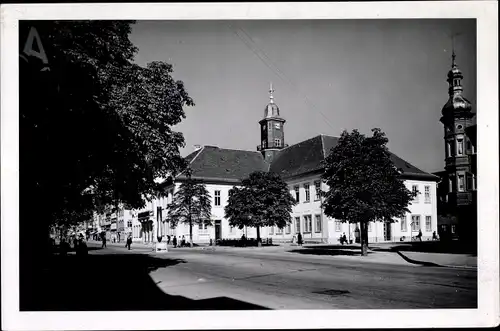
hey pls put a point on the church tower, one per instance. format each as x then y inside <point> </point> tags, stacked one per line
<point>272,134</point>
<point>457,116</point>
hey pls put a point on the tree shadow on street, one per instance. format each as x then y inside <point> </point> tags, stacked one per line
<point>329,250</point>
<point>450,247</point>
<point>108,282</point>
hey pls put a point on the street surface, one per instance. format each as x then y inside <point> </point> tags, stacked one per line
<point>283,280</point>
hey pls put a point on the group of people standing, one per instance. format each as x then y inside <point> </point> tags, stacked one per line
<point>177,243</point>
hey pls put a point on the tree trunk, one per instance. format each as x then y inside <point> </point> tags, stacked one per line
<point>259,243</point>
<point>364,238</point>
<point>191,234</point>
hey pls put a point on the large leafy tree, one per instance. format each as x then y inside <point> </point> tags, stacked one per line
<point>95,127</point>
<point>364,184</point>
<point>191,204</point>
<point>262,200</point>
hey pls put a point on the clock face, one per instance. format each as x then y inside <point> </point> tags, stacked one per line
<point>459,126</point>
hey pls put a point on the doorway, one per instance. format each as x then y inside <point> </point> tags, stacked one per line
<point>387,231</point>
<point>218,232</point>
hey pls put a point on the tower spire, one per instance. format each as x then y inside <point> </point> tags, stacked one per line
<point>271,91</point>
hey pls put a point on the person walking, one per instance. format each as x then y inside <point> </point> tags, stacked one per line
<point>183,242</point>
<point>129,242</point>
<point>175,242</point>
<point>299,239</point>
<point>103,240</point>
<point>168,239</point>
<point>419,236</point>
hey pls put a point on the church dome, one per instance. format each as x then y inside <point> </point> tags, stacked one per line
<point>272,110</point>
<point>457,102</point>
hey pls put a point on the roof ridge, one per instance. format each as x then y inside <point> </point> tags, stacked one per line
<point>300,142</point>
<point>199,152</point>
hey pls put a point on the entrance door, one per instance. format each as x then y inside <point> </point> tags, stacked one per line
<point>218,232</point>
<point>387,231</point>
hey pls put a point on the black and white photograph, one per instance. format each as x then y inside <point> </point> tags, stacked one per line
<point>216,165</point>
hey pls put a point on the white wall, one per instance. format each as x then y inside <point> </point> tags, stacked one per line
<point>329,231</point>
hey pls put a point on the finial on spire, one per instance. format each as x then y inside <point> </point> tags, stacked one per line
<point>271,91</point>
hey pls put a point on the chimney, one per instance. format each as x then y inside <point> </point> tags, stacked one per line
<point>197,147</point>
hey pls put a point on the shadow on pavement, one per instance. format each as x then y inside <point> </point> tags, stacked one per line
<point>422,263</point>
<point>451,247</point>
<point>107,282</point>
<point>333,251</point>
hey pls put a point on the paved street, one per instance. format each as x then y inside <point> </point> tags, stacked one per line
<point>280,280</point>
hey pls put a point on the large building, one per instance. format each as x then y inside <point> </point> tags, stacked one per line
<point>457,189</point>
<point>300,165</point>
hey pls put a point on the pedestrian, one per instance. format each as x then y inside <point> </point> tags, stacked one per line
<point>419,236</point>
<point>103,241</point>
<point>299,239</point>
<point>434,236</point>
<point>183,242</point>
<point>243,240</point>
<point>175,242</point>
<point>129,242</point>
<point>168,239</point>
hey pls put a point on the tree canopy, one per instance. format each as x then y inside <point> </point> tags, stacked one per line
<point>95,127</point>
<point>262,200</point>
<point>363,183</point>
<point>191,205</point>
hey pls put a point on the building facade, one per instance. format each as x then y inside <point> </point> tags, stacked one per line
<point>301,166</point>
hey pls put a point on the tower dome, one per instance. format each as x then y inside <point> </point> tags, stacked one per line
<point>456,101</point>
<point>272,109</point>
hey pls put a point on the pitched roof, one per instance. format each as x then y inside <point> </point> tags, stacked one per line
<point>307,156</point>
<point>228,165</point>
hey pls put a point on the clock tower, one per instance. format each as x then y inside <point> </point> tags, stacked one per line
<point>272,134</point>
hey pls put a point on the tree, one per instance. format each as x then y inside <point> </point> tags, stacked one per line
<point>364,185</point>
<point>191,205</point>
<point>262,200</point>
<point>95,128</point>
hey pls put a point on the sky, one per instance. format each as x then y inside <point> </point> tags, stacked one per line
<point>328,75</point>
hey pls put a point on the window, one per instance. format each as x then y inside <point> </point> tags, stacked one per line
<point>297,195</point>
<point>277,142</point>
<point>427,194</point>
<point>461,183</point>
<point>404,227</point>
<point>203,228</point>
<point>415,222</point>
<point>450,184</point>
<point>271,230</point>
<point>428,223</point>
<point>279,230</point>
<point>308,193</point>
<point>217,198</point>
<point>297,224</point>
<point>288,228</point>
<point>318,225</point>
<point>414,189</point>
<point>337,226</point>
<point>317,186</point>
<point>453,228</point>
<point>129,224</point>
<point>460,146</point>
<point>307,223</point>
